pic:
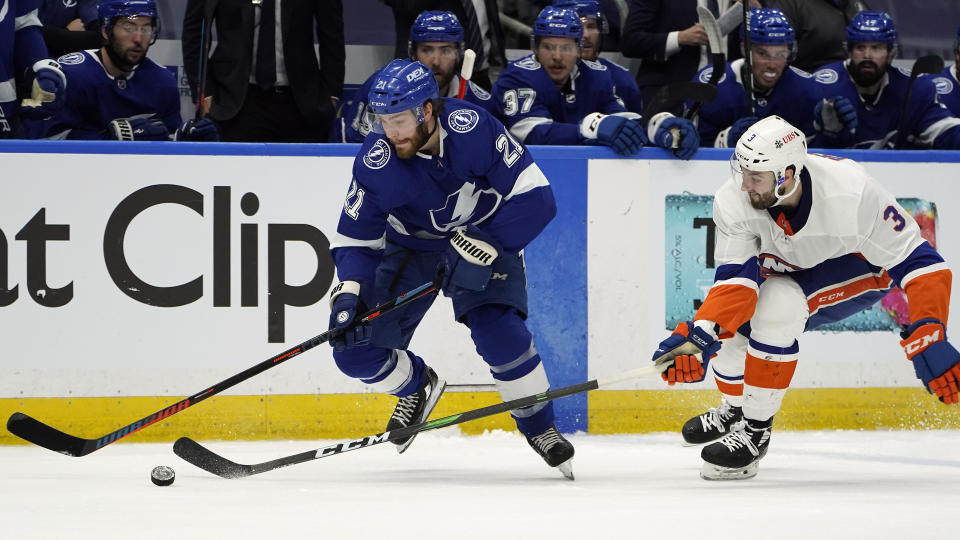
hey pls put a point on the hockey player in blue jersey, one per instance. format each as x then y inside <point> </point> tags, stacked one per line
<point>440,183</point>
<point>116,91</point>
<point>595,25</point>
<point>779,88</point>
<point>554,97</point>
<point>436,40</point>
<point>878,90</point>
<point>23,56</point>
<point>948,82</point>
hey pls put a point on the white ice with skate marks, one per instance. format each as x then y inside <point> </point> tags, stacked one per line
<point>844,485</point>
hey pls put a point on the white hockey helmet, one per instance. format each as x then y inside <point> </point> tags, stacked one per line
<point>772,144</point>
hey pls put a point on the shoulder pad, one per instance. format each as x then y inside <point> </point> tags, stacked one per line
<point>378,155</point>
<point>463,120</point>
<point>72,59</point>
<point>480,93</point>
<point>527,62</point>
<point>801,72</point>
<point>944,85</point>
<point>826,76</point>
<point>594,65</point>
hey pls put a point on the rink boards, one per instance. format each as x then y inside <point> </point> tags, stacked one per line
<point>133,278</point>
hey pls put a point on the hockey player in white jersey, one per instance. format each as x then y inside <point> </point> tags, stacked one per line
<point>802,240</point>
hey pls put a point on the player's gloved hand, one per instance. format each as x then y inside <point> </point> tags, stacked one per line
<point>739,127</point>
<point>49,91</point>
<point>623,134</point>
<point>678,135</point>
<point>836,120</point>
<point>139,129</point>
<point>467,262</point>
<point>197,130</point>
<point>936,362</point>
<point>345,306</point>
<point>688,351</point>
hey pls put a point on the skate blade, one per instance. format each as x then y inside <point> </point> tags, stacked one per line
<point>431,403</point>
<point>566,468</point>
<point>715,472</point>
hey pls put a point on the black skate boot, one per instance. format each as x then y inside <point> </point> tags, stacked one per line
<point>554,449</point>
<point>737,455</point>
<point>712,425</point>
<point>415,408</point>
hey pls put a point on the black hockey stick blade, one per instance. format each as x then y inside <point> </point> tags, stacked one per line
<point>923,65</point>
<point>40,434</point>
<point>196,454</point>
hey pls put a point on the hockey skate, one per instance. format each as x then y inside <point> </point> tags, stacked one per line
<point>415,408</point>
<point>555,450</point>
<point>737,455</point>
<point>712,425</point>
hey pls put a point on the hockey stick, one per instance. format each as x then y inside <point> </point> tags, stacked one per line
<point>671,95</point>
<point>466,71</point>
<point>36,432</point>
<point>196,454</point>
<point>923,65</point>
<point>204,60</point>
<point>748,63</point>
<point>717,58</point>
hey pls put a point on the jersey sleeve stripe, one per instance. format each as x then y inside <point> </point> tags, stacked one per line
<point>729,306</point>
<point>746,282</point>
<point>25,20</point>
<point>923,271</point>
<point>929,295</point>
<point>341,241</point>
<point>530,178</point>
<point>524,126</point>
<point>935,129</point>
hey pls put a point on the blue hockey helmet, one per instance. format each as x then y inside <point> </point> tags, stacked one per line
<point>872,27</point>
<point>402,85</point>
<point>588,9</point>
<point>769,26</point>
<point>558,22</point>
<point>110,10</point>
<point>439,26</point>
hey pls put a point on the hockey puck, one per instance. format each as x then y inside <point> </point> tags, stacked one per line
<point>162,475</point>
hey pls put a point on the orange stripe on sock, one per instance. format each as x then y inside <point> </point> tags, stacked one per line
<point>730,389</point>
<point>768,373</point>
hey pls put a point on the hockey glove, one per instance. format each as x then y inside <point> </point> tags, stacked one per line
<point>345,305</point>
<point>49,91</point>
<point>936,362</point>
<point>138,129</point>
<point>739,128</point>
<point>467,262</point>
<point>678,135</point>
<point>682,349</point>
<point>836,120</point>
<point>197,130</point>
<point>624,135</point>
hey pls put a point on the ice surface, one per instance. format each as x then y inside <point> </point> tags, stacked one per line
<point>820,485</point>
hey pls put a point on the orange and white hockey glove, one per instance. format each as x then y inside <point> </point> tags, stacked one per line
<point>688,351</point>
<point>936,362</point>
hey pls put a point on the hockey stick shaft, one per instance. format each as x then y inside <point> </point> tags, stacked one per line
<point>466,71</point>
<point>36,432</point>
<point>922,65</point>
<point>748,63</point>
<point>204,53</point>
<point>717,57</point>
<point>200,456</point>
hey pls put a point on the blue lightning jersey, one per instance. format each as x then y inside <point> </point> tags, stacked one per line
<point>60,13</point>
<point>538,112</point>
<point>793,98</point>
<point>928,123</point>
<point>354,119</point>
<point>480,176</point>
<point>21,45</point>
<point>625,85</point>
<point>948,89</point>
<point>95,98</point>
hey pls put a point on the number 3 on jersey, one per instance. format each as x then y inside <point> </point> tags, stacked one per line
<point>351,206</point>
<point>509,147</point>
<point>891,213</point>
